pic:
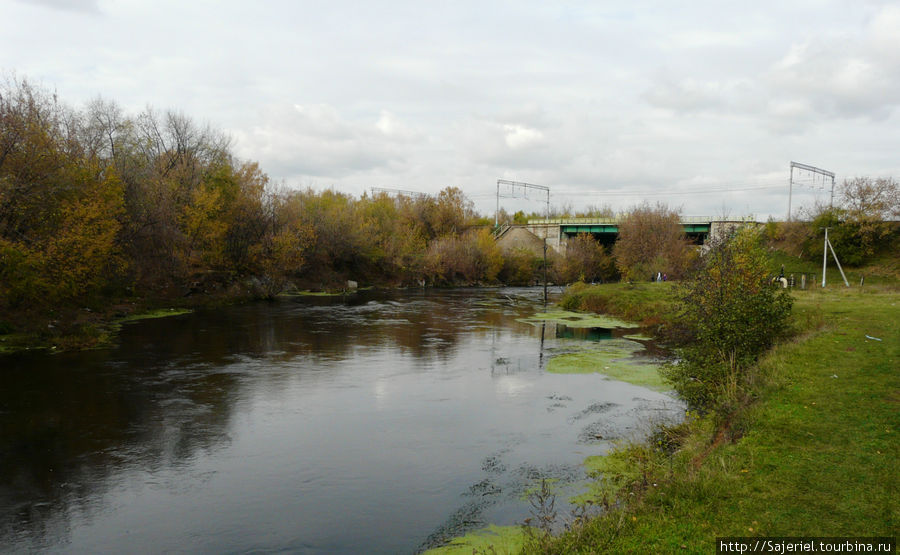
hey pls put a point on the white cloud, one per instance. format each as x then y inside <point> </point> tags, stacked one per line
<point>641,96</point>
<point>313,141</point>
<point>518,136</point>
<point>89,6</point>
<point>845,75</point>
<point>691,95</point>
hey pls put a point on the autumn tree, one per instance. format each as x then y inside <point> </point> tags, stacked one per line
<point>451,214</point>
<point>59,207</point>
<point>651,240</point>
<point>396,245</point>
<point>585,260</point>
<point>869,206</point>
<point>463,259</point>
<point>859,227</point>
<point>520,267</point>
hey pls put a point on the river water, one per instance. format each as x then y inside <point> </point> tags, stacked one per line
<point>383,422</point>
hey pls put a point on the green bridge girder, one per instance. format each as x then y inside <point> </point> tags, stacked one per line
<point>575,229</point>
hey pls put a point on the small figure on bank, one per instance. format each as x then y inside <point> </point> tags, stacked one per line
<point>665,277</point>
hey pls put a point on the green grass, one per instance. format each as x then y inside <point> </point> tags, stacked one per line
<point>648,304</point>
<point>816,455</point>
<point>152,314</point>
<point>97,330</point>
<point>882,271</point>
<point>12,342</point>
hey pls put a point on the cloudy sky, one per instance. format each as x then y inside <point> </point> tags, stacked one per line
<point>702,106</point>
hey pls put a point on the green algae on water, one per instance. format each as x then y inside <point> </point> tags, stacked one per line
<point>501,540</point>
<point>577,320</point>
<point>615,364</point>
<point>638,337</point>
<point>311,294</point>
<point>152,314</point>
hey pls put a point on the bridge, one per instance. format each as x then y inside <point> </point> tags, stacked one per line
<point>557,231</point>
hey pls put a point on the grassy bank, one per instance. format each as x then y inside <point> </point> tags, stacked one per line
<point>79,329</point>
<point>648,304</point>
<point>815,455</point>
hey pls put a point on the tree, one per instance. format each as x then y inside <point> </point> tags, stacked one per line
<point>651,240</point>
<point>869,205</point>
<point>597,211</point>
<point>843,234</point>
<point>731,313</point>
<point>520,267</point>
<point>452,213</point>
<point>585,260</point>
<point>865,198</point>
<point>467,258</point>
<point>859,227</point>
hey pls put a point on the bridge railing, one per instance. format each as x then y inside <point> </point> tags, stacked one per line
<point>500,230</point>
<point>619,218</point>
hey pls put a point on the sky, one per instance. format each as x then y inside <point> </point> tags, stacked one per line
<point>700,105</point>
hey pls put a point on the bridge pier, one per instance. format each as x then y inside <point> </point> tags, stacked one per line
<point>556,240</point>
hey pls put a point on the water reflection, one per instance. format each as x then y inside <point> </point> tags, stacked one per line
<point>71,422</point>
<point>309,425</point>
<point>586,334</point>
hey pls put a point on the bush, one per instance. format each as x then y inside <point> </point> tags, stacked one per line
<point>467,259</point>
<point>585,260</point>
<point>730,314</point>
<point>520,267</point>
<point>845,236</point>
<point>651,240</point>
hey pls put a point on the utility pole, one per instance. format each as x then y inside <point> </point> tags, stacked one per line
<point>790,192</point>
<point>518,189</point>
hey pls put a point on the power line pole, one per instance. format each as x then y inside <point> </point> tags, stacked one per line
<point>518,189</point>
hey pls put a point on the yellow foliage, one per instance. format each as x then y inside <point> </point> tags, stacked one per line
<point>204,226</point>
<point>82,253</point>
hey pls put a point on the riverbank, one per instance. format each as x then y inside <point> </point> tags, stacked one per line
<point>815,455</point>
<point>97,322</point>
<point>70,328</point>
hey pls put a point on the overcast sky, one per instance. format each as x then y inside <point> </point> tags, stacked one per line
<point>701,104</point>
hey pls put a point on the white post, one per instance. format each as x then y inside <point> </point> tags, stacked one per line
<point>497,212</point>
<point>791,190</point>
<point>838,263</point>
<point>824,256</point>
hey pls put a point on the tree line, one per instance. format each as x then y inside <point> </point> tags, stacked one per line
<point>98,205</point>
<point>862,226</point>
<point>97,202</point>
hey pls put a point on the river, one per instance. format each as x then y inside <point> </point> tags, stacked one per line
<point>383,422</point>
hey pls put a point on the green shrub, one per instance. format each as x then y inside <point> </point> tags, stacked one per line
<point>520,267</point>
<point>730,314</point>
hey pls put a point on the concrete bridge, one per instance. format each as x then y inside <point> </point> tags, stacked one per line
<point>605,230</point>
